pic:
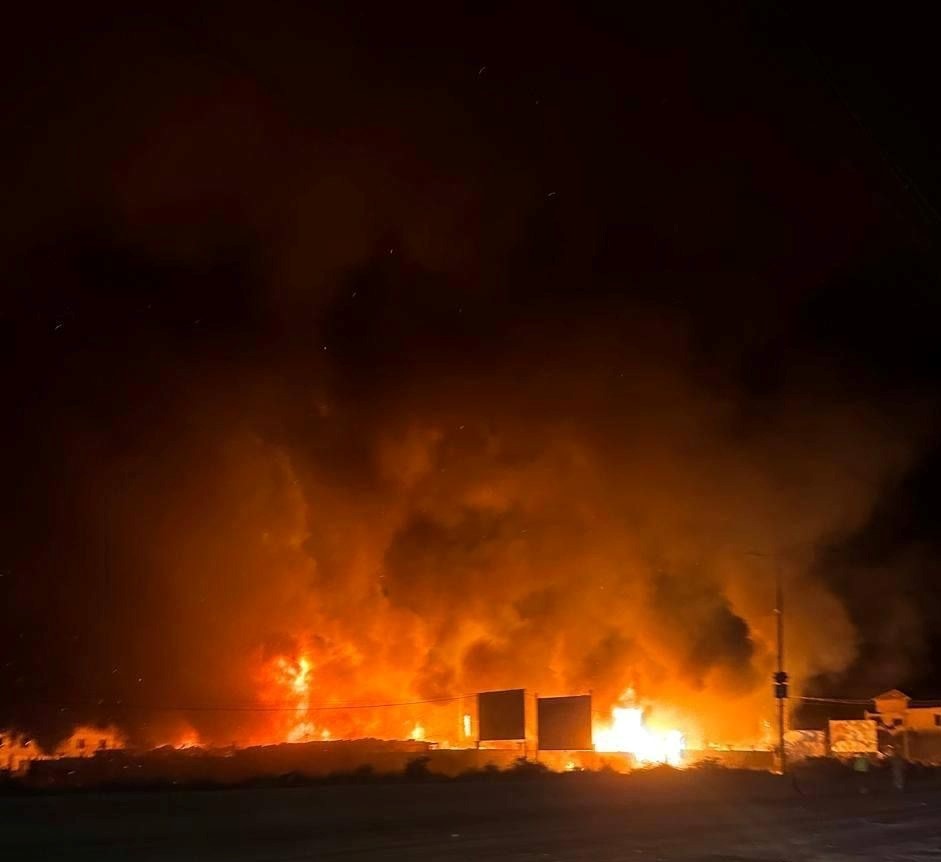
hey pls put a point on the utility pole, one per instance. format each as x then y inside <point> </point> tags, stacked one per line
<point>780,677</point>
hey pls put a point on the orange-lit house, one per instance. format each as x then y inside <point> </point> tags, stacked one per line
<point>894,712</point>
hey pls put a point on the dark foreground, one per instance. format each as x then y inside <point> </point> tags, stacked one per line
<point>573,817</point>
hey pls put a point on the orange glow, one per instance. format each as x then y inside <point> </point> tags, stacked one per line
<point>188,740</point>
<point>86,740</point>
<point>628,732</point>
<point>296,675</point>
<point>293,678</point>
<point>303,731</point>
<point>291,681</point>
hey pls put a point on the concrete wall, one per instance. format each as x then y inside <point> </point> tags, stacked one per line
<point>923,719</point>
<point>891,706</point>
<point>923,747</point>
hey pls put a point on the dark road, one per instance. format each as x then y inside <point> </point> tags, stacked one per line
<point>585,818</point>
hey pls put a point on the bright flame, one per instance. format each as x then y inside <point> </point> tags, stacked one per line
<point>418,732</point>
<point>303,731</point>
<point>294,676</point>
<point>468,726</point>
<point>297,675</point>
<point>190,739</point>
<point>628,733</point>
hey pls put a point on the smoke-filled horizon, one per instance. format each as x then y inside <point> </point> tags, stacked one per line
<point>452,363</point>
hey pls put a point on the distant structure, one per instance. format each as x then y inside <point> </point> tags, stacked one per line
<point>915,730</point>
<point>16,751</point>
<point>893,725</point>
<point>894,713</point>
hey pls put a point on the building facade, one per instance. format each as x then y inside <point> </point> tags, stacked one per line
<point>894,712</point>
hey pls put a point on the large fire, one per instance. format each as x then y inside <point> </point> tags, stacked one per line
<point>629,733</point>
<point>286,688</point>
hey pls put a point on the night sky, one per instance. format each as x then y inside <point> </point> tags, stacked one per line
<point>450,338</point>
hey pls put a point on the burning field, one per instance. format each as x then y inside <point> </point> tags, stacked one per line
<point>454,723</point>
<point>283,603</point>
<point>281,600</point>
<point>323,420</point>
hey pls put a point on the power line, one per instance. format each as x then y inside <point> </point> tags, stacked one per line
<point>247,707</point>
<point>916,704</point>
<point>351,706</point>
